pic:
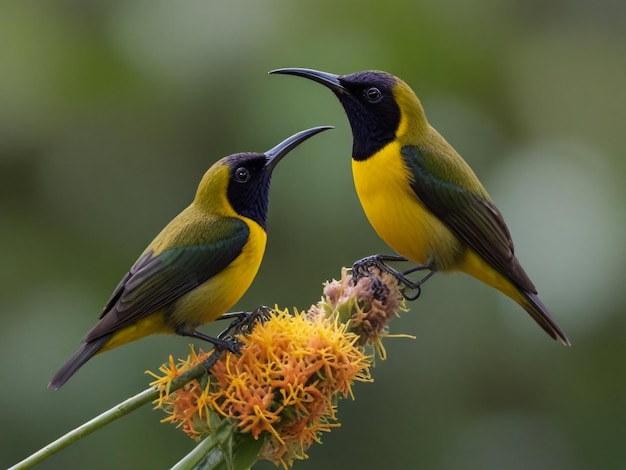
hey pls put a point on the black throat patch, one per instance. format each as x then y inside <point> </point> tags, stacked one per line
<point>374,124</point>
<point>250,198</point>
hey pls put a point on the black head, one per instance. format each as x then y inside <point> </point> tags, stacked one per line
<point>368,100</point>
<point>250,174</point>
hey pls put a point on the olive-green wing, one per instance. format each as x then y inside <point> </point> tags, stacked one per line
<point>472,217</point>
<point>155,281</point>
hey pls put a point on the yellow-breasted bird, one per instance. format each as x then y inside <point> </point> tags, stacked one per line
<point>419,194</point>
<point>200,264</point>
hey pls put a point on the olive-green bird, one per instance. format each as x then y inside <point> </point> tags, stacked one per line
<point>200,264</point>
<point>419,194</point>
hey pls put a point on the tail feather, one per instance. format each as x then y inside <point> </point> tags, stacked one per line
<point>78,359</point>
<point>539,312</point>
<point>477,266</point>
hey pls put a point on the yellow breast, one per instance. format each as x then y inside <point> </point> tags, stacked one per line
<point>206,302</point>
<point>215,297</point>
<point>383,185</point>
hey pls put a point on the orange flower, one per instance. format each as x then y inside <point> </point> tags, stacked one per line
<point>292,369</point>
<point>281,388</point>
<point>184,406</point>
<point>285,380</point>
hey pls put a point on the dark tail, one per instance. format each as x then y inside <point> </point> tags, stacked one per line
<point>539,312</point>
<point>75,362</point>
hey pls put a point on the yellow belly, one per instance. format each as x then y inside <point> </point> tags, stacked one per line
<point>397,215</point>
<point>212,299</point>
<point>401,220</point>
<point>206,302</point>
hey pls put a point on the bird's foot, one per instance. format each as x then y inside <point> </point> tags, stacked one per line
<point>226,343</point>
<point>363,267</point>
<point>232,345</point>
<point>410,289</point>
<point>244,322</point>
<point>220,345</point>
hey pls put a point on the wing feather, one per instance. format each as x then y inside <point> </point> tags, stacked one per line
<point>471,216</point>
<point>156,280</point>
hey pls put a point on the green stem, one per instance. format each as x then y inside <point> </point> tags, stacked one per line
<point>209,444</point>
<point>192,459</point>
<point>119,410</point>
<point>223,449</point>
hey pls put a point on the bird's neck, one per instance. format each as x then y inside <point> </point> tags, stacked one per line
<point>369,137</point>
<point>412,129</point>
<point>413,126</point>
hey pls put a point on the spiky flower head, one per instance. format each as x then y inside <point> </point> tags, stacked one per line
<point>366,305</point>
<point>284,386</point>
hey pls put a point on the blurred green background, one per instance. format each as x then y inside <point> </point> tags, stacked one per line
<point>110,112</point>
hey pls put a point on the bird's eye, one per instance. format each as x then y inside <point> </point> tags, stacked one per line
<point>242,175</point>
<point>373,94</point>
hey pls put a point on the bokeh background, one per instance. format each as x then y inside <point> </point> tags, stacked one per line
<point>110,112</point>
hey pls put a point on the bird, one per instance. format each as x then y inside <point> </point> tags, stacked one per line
<point>199,265</point>
<point>420,195</point>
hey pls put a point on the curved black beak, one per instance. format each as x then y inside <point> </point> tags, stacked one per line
<point>329,80</point>
<point>275,154</point>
